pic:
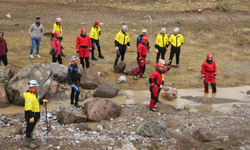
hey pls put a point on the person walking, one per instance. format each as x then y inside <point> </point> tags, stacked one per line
<point>56,48</point>
<point>142,52</point>
<point>36,32</point>
<point>155,81</point>
<point>209,73</point>
<point>176,40</point>
<point>95,33</point>
<point>161,44</point>
<point>32,111</point>
<point>83,46</point>
<point>73,78</point>
<point>138,41</point>
<point>122,44</point>
<point>3,50</point>
<point>57,26</point>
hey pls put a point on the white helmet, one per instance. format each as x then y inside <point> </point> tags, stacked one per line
<point>144,30</point>
<point>74,58</point>
<point>162,61</point>
<point>124,27</point>
<point>176,29</point>
<point>58,20</point>
<point>163,30</point>
<point>33,83</point>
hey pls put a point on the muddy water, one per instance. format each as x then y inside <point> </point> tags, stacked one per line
<point>133,97</point>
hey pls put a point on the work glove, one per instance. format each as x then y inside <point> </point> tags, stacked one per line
<point>156,50</point>
<point>161,86</point>
<point>117,48</point>
<point>128,48</point>
<point>31,120</point>
<point>45,101</point>
<point>93,43</point>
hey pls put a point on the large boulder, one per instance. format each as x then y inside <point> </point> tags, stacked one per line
<point>80,117</point>
<point>11,131</point>
<point>4,102</point>
<point>203,135</point>
<point>19,83</point>
<point>107,90</point>
<point>120,67</point>
<point>154,128</point>
<point>89,79</point>
<point>101,109</point>
<point>54,87</point>
<point>80,70</point>
<point>130,70</point>
<point>5,74</point>
<point>65,117</point>
<point>60,71</point>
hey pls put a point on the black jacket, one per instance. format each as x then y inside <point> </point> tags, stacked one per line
<point>73,74</point>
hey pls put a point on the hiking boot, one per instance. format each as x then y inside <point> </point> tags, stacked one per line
<point>32,137</point>
<point>135,77</point>
<point>100,56</point>
<point>29,144</point>
<point>153,109</point>
<point>94,59</point>
<point>143,76</point>
<point>72,103</point>
<point>178,67</point>
<point>158,102</point>
<point>114,66</point>
<point>77,105</point>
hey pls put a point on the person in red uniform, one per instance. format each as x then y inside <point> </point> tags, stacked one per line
<point>142,52</point>
<point>155,81</point>
<point>56,48</point>
<point>83,46</point>
<point>209,73</point>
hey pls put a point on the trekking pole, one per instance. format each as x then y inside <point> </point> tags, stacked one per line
<point>150,38</point>
<point>46,119</point>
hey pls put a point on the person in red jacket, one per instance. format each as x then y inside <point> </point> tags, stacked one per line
<point>83,46</point>
<point>142,52</point>
<point>209,73</point>
<point>155,81</point>
<point>56,48</point>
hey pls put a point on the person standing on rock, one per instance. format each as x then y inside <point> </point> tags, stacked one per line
<point>58,27</point>
<point>73,78</point>
<point>56,48</point>
<point>122,44</point>
<point>36,32</point>
<point>176,40</point>
<point>3,50</point>
<point>155,81</point>
<point>95,32</point>
<point>83,46</point>
<point>161,44</point>
<point>142,52</point>
<point>32,111</point>
<point>209,73</point>
<point>139,38</point>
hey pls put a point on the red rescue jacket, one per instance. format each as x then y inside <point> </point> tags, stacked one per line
<point>208,67</point>
<point>142,51</point>
<point>56,45</point>
<point>83,42</point>
<point>156,77</point>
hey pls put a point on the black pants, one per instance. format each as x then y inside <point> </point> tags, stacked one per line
<point>122,51</point>
<point>86,60</point>
<point>4,59</point>
<point>30,126</point>
<point>93,48</point>
<point>177,51</point>
<point>162,52</point>
<point>59,59</point>
<point>73,91</point>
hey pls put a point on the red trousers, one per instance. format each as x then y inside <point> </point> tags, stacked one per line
<point>141,68</point>
<point>84,52</point>
<point>154,96</point>
<point>209,77</point>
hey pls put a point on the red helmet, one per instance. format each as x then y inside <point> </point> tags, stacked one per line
<point>96,23</point>
<point>56,32</point>
<point>209,55</point>
<point>83,30</point>
<point>144,39</point>
<point>158,65</point>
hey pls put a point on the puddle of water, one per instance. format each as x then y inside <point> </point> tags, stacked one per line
<point>133,97</point>
<point>93,125</point>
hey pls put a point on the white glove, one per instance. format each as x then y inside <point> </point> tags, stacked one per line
<point>117,48</point>
<point>161,86</point>
<point>156,50</point>
<point>128,48</point>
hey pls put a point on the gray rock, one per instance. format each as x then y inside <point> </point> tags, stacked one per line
<point>89,79</point>
<point>153,127</point>
<point>54,87</point>
<point>19,83</point>
<point>65,117</point>
<point>203,135</point>
<point>4,102</point>
<point>107,90</point>
<point>179,107</point>
<point>120,67</point>
<point>60,71</point>
<point>80,117</point>
<point>130,70</point>
<point>5,74</point>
